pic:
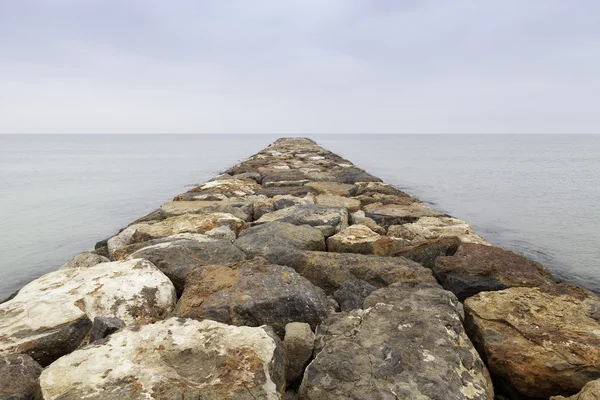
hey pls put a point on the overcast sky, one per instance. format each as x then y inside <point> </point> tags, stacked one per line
<point>299,66</point>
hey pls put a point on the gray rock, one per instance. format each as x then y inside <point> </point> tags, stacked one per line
<point>362,188</point>
<point>176,259</point>
<point>18,376</point>
<point>330,270</point>
<point>298,343</point>
<point>427,252</point>
<point>352,294</point>
<point>238,208</point>
<point>252,293</point>
<point>172,359</point>
<point>312,215</point>
<point>84,260</point>
<point>250,175</point>
<point>104,326</point>
<point>298,191</point>
<point>408,344</point>
<point>353,175</point>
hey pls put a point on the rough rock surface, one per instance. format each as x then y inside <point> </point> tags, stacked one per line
<point>330,200</point>
<point>359,218</point>
<point>298,343</point>
<point>396,214</point>
<point>591,391</point>
<point>252,293</point>
<point>51,315</point>
<point>123,252</point>
<point>172,359</point>
<point>240,209</point>
<point>352,294</point>
<point>333,218</point>
<point>104,326</point>
<point>176,259</point>
<point>478,268</point>
<point>18,376</point>
<point>334,188</point>
<point>84,260</point>
<point>330,270</point>
<point>428,228</point>
<point>354,239</point>
<point>222,189</point>
<point>427,252</point>
<point>277,240</point>
<point>408,344</point>
<point>538,342</point>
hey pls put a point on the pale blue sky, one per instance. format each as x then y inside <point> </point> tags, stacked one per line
<point>300,66</point>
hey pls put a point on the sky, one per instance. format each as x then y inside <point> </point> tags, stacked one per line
<point>299,66</point>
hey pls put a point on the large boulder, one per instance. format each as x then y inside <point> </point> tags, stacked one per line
<point>354,239</point>
<point>352,174</point>
<point>176,259</point>
<point>428,228</point>
<point>352,294</point>
<point>538,342</point>
<point>409,343</point>
<point>122,253</point>
<point>186,223</point>
<point>85,259</point>
<point>330,270</point>
<point>18,376</point>
<point>222,189</point>
<point>334,188</point>
<point>329,219</point>
<point>427,252</point>
<point>51,316</point>
<point>240,209</point>
<point>252,293</point>
<point>172,359</point>
<point>397,214</point>
<point>298,343</point>
<point>331,200</point>
<point>591,391</point>
<point>478,268</point>
<point>277,240</point>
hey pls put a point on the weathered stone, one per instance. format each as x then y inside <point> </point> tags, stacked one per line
<point>284,178</point>
<point>255,176</point>
<point>408,344</point>
<point>51,315</point>
<point>428,228</point>
<point>591,391</point>
<point>252,293</point>
<point>291,395</point>
<point>330,200</point>
<point>427,252</point>
<point>478,268</point>
<point>153,216</point>
<point>352,175</point>
<point>298,191</point>
<point>18,376</point>
<point>280,202</point>
<point>362,188</point>
<point>353,239</point>
<point>221,233</point>
<point>176,259</point>
<point>384,199</point>
<point>187,223</point>
<point>359,218</point>
<point>227,188</point>
<point>395,214</point>
<point>330,270</point>
<point>298,343</point>
<point>172,359</point>
<point>124,252</point>
<point>121,239</point>
<point>312,215</point>
<point>104,326</point>
<point>240,209</point>
<point>277,241</point>
<point>221,177</point>
<point>84,260</point>
<point>334,188</point>
<point>538,342</point>
<point>352,294</point>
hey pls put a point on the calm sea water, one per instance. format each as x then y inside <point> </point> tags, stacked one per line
<point>536,194</point>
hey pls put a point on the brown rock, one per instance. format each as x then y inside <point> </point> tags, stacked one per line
<point>538,342</point>
<point>18,374</point>
<point>591,391</point>
<point>334,188</point>
<point>427,252</point>
<point>298,344</point>
<point>478,268</point>
<point>330,200</point>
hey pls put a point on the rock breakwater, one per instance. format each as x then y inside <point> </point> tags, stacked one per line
<point>296,274</point>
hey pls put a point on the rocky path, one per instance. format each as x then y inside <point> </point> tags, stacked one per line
<point>295,274</point>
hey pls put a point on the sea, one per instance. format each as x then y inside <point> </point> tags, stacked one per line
<point>537,195</point>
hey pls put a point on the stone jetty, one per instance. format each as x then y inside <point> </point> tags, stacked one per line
<point>297,275</point>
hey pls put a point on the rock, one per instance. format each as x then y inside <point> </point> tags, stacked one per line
<point>478,268</point>
<point>334,188</point>
<point>124,252</point>
<point>428,228</point>
<point>252,293</point>
<point>153,216</point>
<point>10,297</point>
<point>18,376</point>
<point>359,218</point>
<point>330,200</point>
<point>330,270</point>
<point>176,259</point>
<point>187,223</point>
<point>277,240</point>
<point>384,199</point>
<point>538,342</point>
<point>395,214</point>
<point>225,188</point>
<point>104,326</point>
<point>221,233</point>
<point>426,253</point>
<point>408,344</point>
<point>367,188</point>
<point>352,294</point>
<point>172,359</point>
<point>84,260</point>
<point>121,239</point>
<point>291,395</point>
<point>240,209</point>
<point>51,315</point>
<point>591,391</point>
<point>353,239</point>
<point>297,191</point>
<point>298,343</point>
<point>284,178</point>
<point>352,175</point>
<point>286,201</point>
<point>313,215</point>
<point>255,176</point>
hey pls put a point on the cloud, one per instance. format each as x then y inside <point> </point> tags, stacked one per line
<point>283,66</point>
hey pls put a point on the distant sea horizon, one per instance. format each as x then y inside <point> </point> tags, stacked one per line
<point>535,194</point>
